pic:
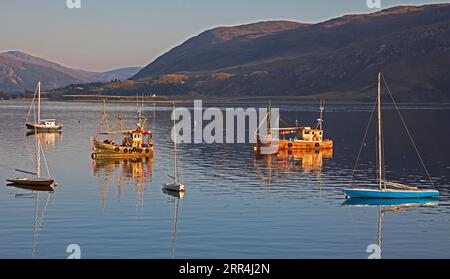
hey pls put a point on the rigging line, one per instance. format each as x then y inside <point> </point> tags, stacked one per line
<point>31,106</point>
<point>286,119</point>
<point>409,134</point>
<point>45,161</point>
<point>362,144</point>
<point>263,121</point>
<point>384,157</point>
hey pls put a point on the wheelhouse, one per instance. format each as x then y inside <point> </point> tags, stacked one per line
<point>301,134</point>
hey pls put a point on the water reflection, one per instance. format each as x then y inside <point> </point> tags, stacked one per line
<point>305,161</point>
<point>387,206</point>
<point>176,197</point>
<point>47,138</point>
<point>39,194</point>
<point>119,173</point>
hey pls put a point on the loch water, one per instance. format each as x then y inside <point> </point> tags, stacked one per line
<point>237,205</point>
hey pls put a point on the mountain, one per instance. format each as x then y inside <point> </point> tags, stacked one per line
<point>120,74</point>
<point>337,58</point>
<point>20,72</point>
<point>204,52</point>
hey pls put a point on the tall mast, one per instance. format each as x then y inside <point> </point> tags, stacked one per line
<point>138,109</point>
<point>154,116</point>
<point>175,148</point>
<point>39,101</point>
<point>322,108</point>
<point>380,136</point>
<point>269,118</point>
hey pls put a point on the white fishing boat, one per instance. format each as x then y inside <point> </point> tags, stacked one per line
<point>38,124</point>
<point>387,189</point>
<point>175,185</point>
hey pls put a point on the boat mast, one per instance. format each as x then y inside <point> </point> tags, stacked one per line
<point>269,118</point>
<point>175,148</point>
<point>39,101</point>
<point>322,108</point>
<point>380,136</point>
<point>139,112</point>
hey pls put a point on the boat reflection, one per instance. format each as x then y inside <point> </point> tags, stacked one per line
<point>47,138</point>
<point>305,161</point>
<point>385,206</point>
<point>176,197</point>
<point>119,173</point>
<point>35,192</point>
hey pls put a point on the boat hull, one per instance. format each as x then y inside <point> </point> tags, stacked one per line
<point>174,187</point>
<point>286,145</point>
<point>305,145</point>
<point>105,150</point>
<point>43,128</point>
<point>32,182</point>
<point>36,188</point>
<point>360,202</point>
<point>390,194</point>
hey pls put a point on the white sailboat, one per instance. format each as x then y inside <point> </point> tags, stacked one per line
<point>41,125</point>
<point>37,179</point>
<point>175,185</point>
<point>387,189</point>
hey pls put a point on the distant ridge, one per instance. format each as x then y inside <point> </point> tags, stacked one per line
<point>336,58</point>
<point>20,72</point>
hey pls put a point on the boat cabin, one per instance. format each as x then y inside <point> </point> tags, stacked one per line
<point>135,138</point>
<point>49,123</point>
<point>301,133</point>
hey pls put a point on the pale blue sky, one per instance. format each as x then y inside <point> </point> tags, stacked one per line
<point>106,34</point>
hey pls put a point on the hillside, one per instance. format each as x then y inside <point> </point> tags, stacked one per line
<point>20,72</point>
<point>339,57</point>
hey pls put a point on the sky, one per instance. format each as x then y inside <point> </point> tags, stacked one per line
<point>108,34</point>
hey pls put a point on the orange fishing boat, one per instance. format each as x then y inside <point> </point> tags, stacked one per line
<point>136,142</point>
<point>297,138</point>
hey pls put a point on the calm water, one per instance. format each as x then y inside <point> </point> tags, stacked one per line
<point>236,205</point>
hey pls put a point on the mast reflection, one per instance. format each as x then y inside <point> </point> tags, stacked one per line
<point>385,206</point>
<point>304,161</point>
<point>176,197</point>
<point>119,173</point>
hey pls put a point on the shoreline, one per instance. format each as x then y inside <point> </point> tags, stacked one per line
<point>281,100</point>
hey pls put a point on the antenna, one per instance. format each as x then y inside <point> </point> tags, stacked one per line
<point>322,108</point>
